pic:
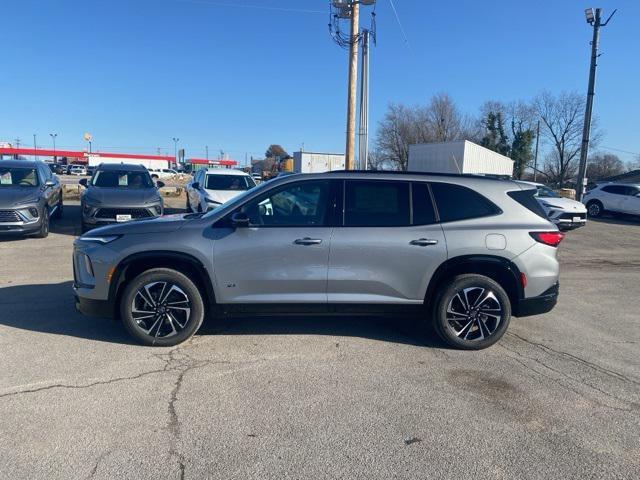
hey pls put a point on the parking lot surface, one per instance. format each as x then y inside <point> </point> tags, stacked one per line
<point>299,397</point>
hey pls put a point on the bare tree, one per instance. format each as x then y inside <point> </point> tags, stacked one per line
<point>438,121</point>
<point>562,117</point>
<point>603,166</point>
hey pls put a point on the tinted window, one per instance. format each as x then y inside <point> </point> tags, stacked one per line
<point>11,176</point>
<point>615,189</point>
<point>121,179</point>
<point>632,191</point>
<point>376,204</point>
<point>423,212</point>
<point>229,182</point>
<point>546,192</point>
<point>460,203</point>
<point>300,204</point>
<point>526,198</point>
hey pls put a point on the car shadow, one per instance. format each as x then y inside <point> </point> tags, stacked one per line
<point>618,219</point>
<point>50,309</point>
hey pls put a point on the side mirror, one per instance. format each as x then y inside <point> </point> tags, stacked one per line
<point>159,184</point>
<point>240,220</point>
<point>83,182</point>
<point>49,183</point>
<point>196,185</point>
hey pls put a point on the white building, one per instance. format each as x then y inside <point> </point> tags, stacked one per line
<point>311,162</point>
<point>458,157</point>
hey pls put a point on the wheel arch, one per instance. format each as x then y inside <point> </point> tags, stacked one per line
<point>134,264</point>
<point>500,269</point>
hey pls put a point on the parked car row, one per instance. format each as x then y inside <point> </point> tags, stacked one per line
<point>614,198</point>
<point>71,169</point>
<point>210,188</point>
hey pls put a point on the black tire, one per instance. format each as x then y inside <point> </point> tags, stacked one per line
<point>155,177</point>
<point>595,208</point>
<point>58,213</point>
<point>44,225</point>
<point>84,228</point>
<point>188,204</point>
<point>483,324</point>
<point>159,324</point>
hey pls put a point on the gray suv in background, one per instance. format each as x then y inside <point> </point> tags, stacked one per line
<point>118,193</point>
<point>463,253</point>
<point>30,195</point>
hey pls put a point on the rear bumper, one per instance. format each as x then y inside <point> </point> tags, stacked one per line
<point>538,305</point>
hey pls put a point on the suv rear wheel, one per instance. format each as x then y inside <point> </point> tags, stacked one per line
<point>161,307</point>
<point>471,312</point>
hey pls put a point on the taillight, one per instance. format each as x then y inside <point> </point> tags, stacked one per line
<point>552,239</point>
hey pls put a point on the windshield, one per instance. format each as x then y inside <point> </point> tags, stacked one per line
<point>18,176</point>
<point>231,204</point>
<point>229,182</point>
<point>546,192</point>
<point>121,179</point>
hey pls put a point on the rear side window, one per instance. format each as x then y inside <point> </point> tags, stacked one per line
<point>376,204</point>
<point>526,198</point>
<point>615,189</point>
<point>423,211</point>
<point>455,202</point>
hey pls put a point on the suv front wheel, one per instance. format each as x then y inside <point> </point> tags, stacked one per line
<point>161,307</point>
<point>471,312</point>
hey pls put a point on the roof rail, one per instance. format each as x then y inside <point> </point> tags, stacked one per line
<point>437,174</point>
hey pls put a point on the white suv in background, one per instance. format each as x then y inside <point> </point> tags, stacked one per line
<point>212,187</point>
<point>613,197</point>
<point>162,173</point>
<point>567,214</point>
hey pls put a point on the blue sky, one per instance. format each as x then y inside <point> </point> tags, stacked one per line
<point>226,74</point>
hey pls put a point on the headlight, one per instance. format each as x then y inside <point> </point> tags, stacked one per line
<point>103,239</point>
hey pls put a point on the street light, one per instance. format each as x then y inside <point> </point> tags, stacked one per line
<point>53,136</point>
<point>175,149</point>
<point>590,14</point>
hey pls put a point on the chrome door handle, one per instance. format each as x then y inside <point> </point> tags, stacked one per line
<point>308,241</point>
<point>423,242</point>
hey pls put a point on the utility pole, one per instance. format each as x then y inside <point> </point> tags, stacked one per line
<point>35,146</point>
<point>535,158</point>
<point>206,148</point>
<point>53,137</point>
<point>363,142</point>
<point>352,89</point>
<point>175,149</point>
<point>595,20</point>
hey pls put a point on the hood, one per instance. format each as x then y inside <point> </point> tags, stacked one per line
<point>14,196</point>
<point>165,224</point>
<point>562,203</point>
<point>223,196</point>
<point>121,197</point>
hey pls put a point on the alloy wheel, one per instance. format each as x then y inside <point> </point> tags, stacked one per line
<point>594,210</point>
<point>474,313</point>
<point>161,309</point>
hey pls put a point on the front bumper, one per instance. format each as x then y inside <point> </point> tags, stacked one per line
<point>94,308</point>
<point>23,225</point>
<point>537,305</point>
<point>568,220</point>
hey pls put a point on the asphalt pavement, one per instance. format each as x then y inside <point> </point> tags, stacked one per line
<point>316,397</point>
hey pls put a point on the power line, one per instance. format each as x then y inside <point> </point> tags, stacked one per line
<point>620,150</point>
<point>404,34</point>
<point>256,7</point>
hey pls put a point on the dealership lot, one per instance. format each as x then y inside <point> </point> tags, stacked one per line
<point>558,396</point>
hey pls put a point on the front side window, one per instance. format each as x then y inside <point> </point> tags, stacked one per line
<point>229,182</point>
<point>300,204</point>
<point>121,179</point>
<point>455,202</point>
<point>376,204</point>
<point>24,177</point>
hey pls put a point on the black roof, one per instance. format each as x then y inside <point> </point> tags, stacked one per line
<point>132,167</point>
<point>12,163</point>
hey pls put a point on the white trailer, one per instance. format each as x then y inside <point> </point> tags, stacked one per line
<point>458,157</point>
<point>310,162</point>
<point>96,159</point>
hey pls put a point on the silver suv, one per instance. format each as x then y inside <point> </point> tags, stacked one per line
<point>463,252</point>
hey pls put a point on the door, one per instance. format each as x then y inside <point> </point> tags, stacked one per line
<point>389,244</point>
<point>193,194</point>
<point>282,256</point>
<point>631,202</point>
<point>614,197</point>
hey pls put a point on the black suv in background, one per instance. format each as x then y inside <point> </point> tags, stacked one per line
<point>118,193</point>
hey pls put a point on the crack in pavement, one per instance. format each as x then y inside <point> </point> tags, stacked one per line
<point>593,366</point>
<point>633,406</point>
<point>101,458</point>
